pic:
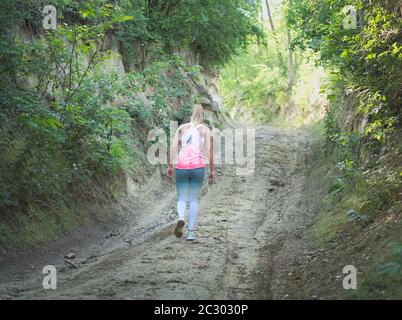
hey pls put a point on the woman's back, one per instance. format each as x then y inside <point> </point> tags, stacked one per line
<point>191,142</point>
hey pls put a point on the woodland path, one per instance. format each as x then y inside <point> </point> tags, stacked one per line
<point>250,232</point>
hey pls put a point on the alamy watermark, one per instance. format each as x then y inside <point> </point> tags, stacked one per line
<point>350,20</point>
<point>50,19</point>
<point>239,147</point>
<point>353,18</point>
<point>350,280</point>
<point>50,280</point>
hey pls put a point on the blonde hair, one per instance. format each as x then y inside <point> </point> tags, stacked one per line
<point>197,117</point>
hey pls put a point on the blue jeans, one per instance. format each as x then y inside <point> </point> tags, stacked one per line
<point>188,185</point>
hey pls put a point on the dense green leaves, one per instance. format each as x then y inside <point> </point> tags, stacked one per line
<point>365,92</point>
<point>273,82</point>
<point>56,128</point>
<point>213,29</point>
<point>368,58</point>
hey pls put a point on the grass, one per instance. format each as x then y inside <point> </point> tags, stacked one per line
<point>43,224</point>
<point>316,129</point>
<point>333,214</point>
<point>39,226</point>
<point>382,278</point>
<point>377,247</point>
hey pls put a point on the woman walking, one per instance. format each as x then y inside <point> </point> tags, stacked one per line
<point>189,140</point>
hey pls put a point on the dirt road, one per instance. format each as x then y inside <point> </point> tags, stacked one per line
<point>250,231</point>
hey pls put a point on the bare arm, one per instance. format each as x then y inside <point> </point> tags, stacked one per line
<point>209,144</point>
<point>173,148</point>
<point>173,153</point>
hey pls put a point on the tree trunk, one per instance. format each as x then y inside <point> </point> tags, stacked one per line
<point>291,67</point>
<point>271,22</point>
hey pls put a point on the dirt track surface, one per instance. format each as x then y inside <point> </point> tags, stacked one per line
<point>250,232</point>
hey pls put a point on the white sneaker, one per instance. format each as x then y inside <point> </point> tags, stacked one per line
<point>190,235</point>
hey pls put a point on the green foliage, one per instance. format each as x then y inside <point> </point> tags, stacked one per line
<point>213,29</point>
<point>163,80</point>
<point>368,58</point>
<point>255,83</point>
<point>365,85</point>
<point>39,226</point>
<point>57,130</point>
<point>362,129</point>
<point>273,81</point>
<point>383,278</point>
<point>369,193</point>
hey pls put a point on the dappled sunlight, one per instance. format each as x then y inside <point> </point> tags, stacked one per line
<point>267,83</point>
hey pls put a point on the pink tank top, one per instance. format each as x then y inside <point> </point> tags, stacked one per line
<point>191,155</point>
